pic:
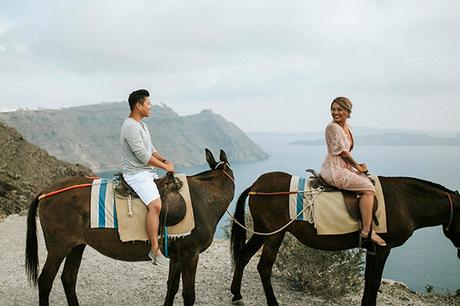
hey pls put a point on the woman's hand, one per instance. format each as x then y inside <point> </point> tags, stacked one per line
<point>362,168</point>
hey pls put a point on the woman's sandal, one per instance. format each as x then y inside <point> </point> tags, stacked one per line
<point>374,237</point>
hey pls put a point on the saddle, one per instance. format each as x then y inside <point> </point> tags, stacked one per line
<point>351,198</point>
<point>172,203</point>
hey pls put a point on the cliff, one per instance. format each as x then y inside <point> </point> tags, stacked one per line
<point>89,134</point>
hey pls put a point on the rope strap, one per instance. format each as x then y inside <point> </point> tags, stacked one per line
<point>314,193</point>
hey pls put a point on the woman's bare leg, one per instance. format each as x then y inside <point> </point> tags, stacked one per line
<point>366,205</point>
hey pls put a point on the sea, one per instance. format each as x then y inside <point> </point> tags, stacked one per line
<point>428,258</point>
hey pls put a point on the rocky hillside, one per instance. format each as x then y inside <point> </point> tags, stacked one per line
<point>89,134</point>
<point>25,169</point>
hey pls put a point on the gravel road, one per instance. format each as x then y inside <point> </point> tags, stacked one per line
<point>104,281</point>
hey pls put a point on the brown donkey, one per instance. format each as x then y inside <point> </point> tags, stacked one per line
<point>65,222</point>
<point>410,204</point>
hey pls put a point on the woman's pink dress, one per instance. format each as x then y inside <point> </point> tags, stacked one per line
<point>335,171</point>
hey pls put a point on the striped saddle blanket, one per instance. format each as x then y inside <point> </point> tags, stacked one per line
<point>103,213</point>
<point>109,210</point>
<point>327,210</point>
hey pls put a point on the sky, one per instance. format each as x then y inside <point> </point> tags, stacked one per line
<point>264,65</point>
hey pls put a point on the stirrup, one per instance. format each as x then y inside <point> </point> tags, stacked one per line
<point>372,236</point>
<point>363,241</point>
<point>366,239</point>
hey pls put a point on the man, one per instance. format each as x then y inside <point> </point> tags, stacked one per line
<point>139,161</point>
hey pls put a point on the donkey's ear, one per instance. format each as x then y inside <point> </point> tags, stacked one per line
<point>223,156</point>
<point>210,159</point>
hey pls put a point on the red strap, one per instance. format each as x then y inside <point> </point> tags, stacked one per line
<point>45,195</point>
<point>254,193</point>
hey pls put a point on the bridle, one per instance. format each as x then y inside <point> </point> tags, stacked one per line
<point>451,206</point>
<point>451,217</point>
<point>223,170</point>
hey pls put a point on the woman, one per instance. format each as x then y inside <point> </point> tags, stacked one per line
<point>342,171</point>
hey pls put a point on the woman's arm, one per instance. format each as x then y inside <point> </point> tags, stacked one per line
<point>346,156</point>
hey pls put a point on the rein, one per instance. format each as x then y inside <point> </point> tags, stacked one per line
<point>451,217</point>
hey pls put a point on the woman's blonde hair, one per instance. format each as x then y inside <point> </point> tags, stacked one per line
<point>345,103</point>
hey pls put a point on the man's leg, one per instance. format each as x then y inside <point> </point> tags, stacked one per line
<point>152,223</point>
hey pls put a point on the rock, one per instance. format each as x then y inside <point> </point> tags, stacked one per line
<point>25,170</point>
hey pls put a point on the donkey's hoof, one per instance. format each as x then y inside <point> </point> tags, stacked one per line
<point>238,300</point>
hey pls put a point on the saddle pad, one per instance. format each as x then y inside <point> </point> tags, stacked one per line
<point>102,212</point>
<point>132,227</point>
<point>328,212</point>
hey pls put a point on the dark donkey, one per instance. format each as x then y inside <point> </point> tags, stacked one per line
<point>65,222</point>
<point>410,204</point>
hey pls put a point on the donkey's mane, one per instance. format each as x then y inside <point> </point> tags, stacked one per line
<point>203,175</point>
<point>434,185</point>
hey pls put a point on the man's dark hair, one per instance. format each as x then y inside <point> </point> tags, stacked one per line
<point>137,96</point>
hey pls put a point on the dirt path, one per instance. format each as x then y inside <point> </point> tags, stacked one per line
<point>104,281</point>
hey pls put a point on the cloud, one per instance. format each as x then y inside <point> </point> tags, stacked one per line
<point>218,55</point>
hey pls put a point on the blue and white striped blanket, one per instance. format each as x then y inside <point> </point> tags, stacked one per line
<point>103,213</point>
<point>298,201</point>
<point>327,210</point>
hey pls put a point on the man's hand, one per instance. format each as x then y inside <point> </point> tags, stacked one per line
<point>169,166</point>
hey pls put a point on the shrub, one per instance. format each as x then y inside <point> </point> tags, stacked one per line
<point>429,288</point>
<point>322,273</point>
<point>319,272</point>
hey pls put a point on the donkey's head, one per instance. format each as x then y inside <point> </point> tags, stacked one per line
<point>222,165</point>
<point>452,228</point>
<point>222,175</point>
<point>212,192</point>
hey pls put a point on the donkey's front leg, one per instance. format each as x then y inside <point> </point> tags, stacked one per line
<point>189,265</point>
<point>373,275</point>
<point>173,280</point>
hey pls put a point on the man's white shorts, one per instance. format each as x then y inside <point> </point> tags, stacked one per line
<point>143,185</point>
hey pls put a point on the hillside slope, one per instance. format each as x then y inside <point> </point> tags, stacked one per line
<point>89,134</point>
<point>25,169</point>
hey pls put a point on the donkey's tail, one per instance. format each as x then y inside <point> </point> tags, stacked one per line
<point>31,243</point>
<point>238,236</point>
